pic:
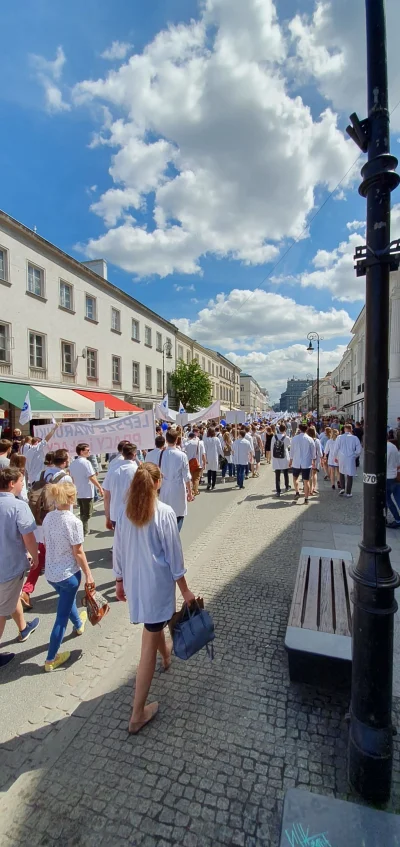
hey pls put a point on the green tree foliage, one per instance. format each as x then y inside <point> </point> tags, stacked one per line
<point>192,386</point>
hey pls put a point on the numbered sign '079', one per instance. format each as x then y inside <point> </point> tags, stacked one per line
<point>369,478</point>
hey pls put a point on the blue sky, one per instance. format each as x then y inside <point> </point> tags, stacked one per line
<point>223,125</point>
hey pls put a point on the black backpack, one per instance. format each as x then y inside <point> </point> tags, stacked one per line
<point>279,448</point>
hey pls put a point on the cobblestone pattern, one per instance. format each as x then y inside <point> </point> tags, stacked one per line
<point>231,736</point>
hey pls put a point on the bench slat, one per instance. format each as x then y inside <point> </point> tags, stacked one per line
<point>342,618</point>
<point>310,620</point>
<point>297,602</point>
<point>326,611</point>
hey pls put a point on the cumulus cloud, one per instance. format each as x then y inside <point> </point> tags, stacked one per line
<point>334,269</point>
<point>117,50</point>
<point>330,49</point>
<point>252,320</point>
<point>209,106</point>
<point>49,73</point>
<point>271,370</point>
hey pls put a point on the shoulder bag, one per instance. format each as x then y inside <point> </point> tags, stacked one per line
<point>194,463</point>
<point>192,632</point>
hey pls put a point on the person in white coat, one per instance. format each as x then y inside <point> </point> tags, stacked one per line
<point>330,456</point>
<point>302,460</point>
<point>312,432</point>
<point>176,487</point>
<point>242,456</point>
<point>280,445</point>
<point>117,482</point>
<point>212,446</point>
<point>348,450</point>
<point>148,564</point>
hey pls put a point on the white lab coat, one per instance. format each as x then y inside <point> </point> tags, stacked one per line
<point>213,450</point>
<point>280,464</point>
<point>318,453</point>
<point>348,448</point>
<point>175,470</point>
<point>331,451</point>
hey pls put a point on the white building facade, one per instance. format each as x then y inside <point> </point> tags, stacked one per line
<point>253,399</point>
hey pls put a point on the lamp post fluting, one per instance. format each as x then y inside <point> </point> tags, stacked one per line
<point>314,336</point>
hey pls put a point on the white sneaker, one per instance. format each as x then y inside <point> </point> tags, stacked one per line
<point>348,495</point>
<point>341,493</point>
<point>223,481</point>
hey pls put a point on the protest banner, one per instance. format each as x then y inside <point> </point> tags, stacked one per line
<point>236,416</point>
<point>102,436</point>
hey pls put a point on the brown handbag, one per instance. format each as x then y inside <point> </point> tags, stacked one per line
<point>96,605</point>
<point>194,464</point>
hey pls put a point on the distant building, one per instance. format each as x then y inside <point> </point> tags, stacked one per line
<point>289,401</point>
<point>253,399</point>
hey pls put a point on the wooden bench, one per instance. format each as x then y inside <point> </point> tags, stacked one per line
<point>312,820</point>
<point>318,636</point>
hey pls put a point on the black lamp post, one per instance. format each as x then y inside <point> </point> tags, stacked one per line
<point>314,336</point>
<point>370,751</point>
<point>166,353</point>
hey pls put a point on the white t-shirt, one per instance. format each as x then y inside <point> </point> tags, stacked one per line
<point>61,529</point>
<point>392,461</point>
<point>81,469</point>
<point>302,451</point>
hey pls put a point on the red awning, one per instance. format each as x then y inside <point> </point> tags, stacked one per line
<point>110,402</point>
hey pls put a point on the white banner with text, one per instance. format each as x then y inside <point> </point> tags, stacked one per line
<point>102,436</point>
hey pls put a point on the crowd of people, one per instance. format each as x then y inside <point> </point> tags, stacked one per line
<point>146,497</point>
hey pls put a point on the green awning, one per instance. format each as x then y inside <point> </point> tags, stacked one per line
<point>15,393</point>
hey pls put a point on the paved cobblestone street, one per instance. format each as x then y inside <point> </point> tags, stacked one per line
<point>231,735</point>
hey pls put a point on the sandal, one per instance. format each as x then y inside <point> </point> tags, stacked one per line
<point>150,712</point>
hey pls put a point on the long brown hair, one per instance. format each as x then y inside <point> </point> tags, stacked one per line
<point>18,461</point>
<point>142,495</point>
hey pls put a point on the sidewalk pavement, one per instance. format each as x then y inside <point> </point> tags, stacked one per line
<point>231,735</point>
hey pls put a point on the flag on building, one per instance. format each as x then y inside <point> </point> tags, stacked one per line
<point>26,411</point>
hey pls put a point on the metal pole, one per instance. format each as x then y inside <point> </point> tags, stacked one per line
<point>317,380</point>
<point>163,373</point>
<point>370,748</point>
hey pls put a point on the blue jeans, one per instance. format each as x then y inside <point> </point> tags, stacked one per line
<point>393,498</point>
<point>240,469</point>
<point>231,469</point>
<point>66,610</point>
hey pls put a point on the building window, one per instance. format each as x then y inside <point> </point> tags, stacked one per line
<point>159,342</point>
<point>188,357</point>
<point>148,378</point>
<point>35,280</point>
<point>135,375</point>
<point>159,382</point>
<point>91,364</point>
<point>180,352</point>
<point>116,369</point>
<point>115,320</point>
<point>67,357</point>
<point>3,264</point>
<point>147,336</point>
<point>5,343</point>
<point>135,330</point>
<point>90,308</point>
<point>66,299</point>
<point>36,350</point>
<point>203,363</point>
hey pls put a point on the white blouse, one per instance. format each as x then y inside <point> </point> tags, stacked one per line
<point>61,530</point>
<point>213,450</point>
<point>150,560</point>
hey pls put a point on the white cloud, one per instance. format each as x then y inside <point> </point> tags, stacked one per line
<point>252,320</point>
<point>117,50</point>
<point>236,160</point>
<point>334,270</point>
<point>330,45</point>
<point>271,370</point>
<point>184,288</point>
<point>48,73</point>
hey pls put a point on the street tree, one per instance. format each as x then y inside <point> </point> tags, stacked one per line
<point>193,387</point>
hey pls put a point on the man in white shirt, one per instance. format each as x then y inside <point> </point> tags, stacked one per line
<point>154,454</point>
<point>117,458</point>
<point>392,486</point>
<point>348,449</point>
<point>302,459</point>
<point>242,456</point>
<point>196,454</point>
<point>116,484</point>
<point>81,471</point>
<point>35,458</point>
<point>248,436</point>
